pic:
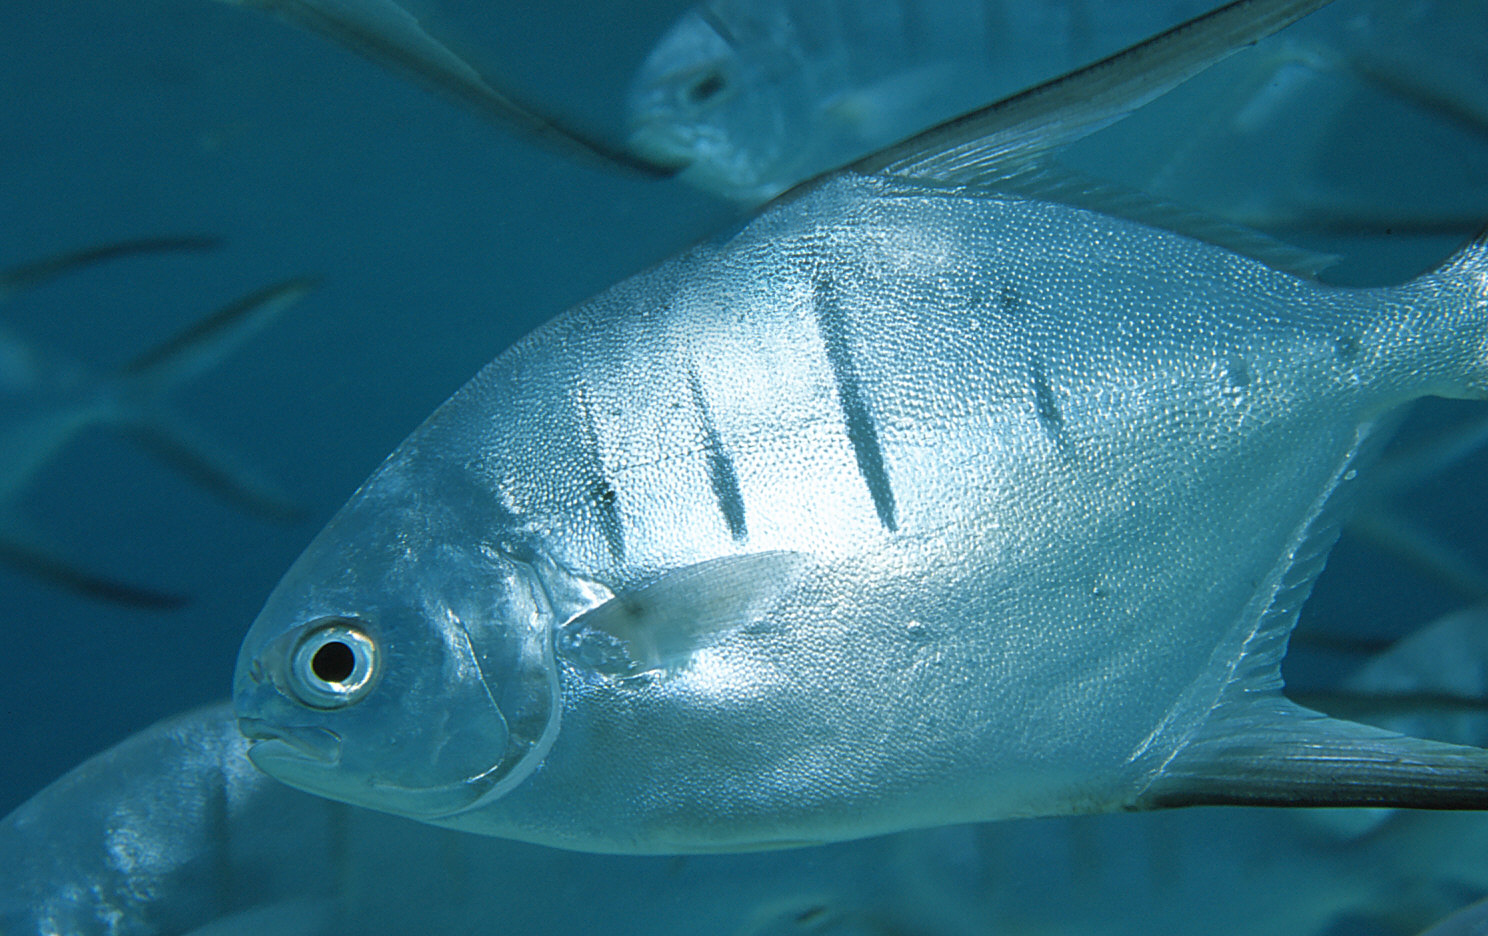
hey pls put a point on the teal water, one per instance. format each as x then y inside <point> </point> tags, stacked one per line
<point>440,240</point>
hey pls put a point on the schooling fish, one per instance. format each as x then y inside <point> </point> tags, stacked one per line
<point>174,831</point>
<point>746,99</point>
<point>47,401</point>
<point>752,97</point>
<point>916,502</point>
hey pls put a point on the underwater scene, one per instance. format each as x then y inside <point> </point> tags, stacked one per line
<point>914,554</point>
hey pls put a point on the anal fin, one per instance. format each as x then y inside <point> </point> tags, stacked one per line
<point>1258,748</point>
<point>1281,754</point>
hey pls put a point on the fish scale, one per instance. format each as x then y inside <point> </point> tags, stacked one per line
<point>1030,495</point>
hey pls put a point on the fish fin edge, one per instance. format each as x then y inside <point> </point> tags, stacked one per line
<point>60,571</point>
<point>1013,133</point>
<point>1277,753</point>
<point>658,627</point>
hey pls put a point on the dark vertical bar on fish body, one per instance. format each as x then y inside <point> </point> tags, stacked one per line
<point>721,473</point>
<point>858,421</point>
<point>1046,405</point>
<point>601,495</point>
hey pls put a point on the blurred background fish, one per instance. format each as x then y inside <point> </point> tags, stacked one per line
<point>175,831</point>
<point>46,401</point>
<point>442,240</point>
<point>752,97</point>
<point>745,99</point>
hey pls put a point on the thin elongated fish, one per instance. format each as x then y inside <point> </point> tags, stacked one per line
<point>916,502</point>
<point>47,401</point>
<point>389,34</point>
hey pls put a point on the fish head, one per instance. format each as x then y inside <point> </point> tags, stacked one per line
<point>405,662</point>
<point>713,100</point>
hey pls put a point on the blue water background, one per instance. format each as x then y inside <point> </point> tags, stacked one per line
<point>440,240</point>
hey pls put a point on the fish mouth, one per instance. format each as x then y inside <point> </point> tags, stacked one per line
<point>662,145</point>
<point>293,743</point>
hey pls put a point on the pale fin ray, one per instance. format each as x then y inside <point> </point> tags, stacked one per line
<point>213,467</point>
<point>1011,134</point>
<point>1277,753</point>
<point>1072,187</point>
<point>1258,748</point>
<point>660,626</point>
<point>205,343</point>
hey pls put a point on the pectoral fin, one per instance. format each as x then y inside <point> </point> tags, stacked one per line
<point>660,626</point>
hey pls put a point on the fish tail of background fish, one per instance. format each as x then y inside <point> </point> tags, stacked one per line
<point>185,356</point>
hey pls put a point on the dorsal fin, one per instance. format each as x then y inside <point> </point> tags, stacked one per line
<point>1071,187</point>
<point>1009,135</point>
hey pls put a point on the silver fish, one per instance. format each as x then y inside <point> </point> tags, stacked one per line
<point>752,97</point>
<point>916,502</point>
<point>175,831</point>
<point>46,401</point>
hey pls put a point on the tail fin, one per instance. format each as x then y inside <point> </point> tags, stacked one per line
<point>189,354</point>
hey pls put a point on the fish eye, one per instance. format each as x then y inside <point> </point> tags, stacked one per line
<point>333,664</point>
<point>708,86</point>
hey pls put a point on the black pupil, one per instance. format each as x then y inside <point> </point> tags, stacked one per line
<point>706,87</point>
<point>333,662</point>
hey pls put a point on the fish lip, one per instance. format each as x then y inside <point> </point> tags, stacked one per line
<point>662,146</point>
<point>293,742</point>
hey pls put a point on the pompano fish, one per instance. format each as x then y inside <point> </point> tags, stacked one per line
<point>754,97</point>
<point>745,100</point>
<point>916,502</point>
<point>47,401</point>
<point>174,831</point>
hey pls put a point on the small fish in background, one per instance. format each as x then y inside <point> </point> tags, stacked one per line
<point>391,35</point>
<point>46,401</point>
<point>946,490</point>
<point>746,99</point>
<point>754,97</point>
<point>174,830</point>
